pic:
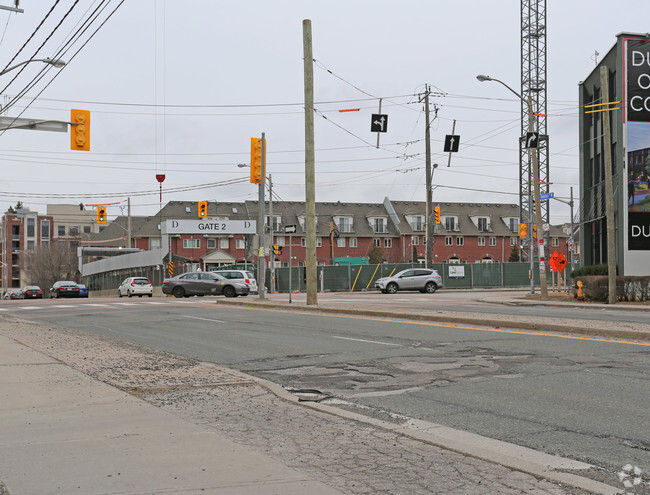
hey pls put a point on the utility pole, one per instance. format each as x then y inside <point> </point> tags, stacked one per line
<point>310,185</point>
<point>261,260</point>
<point>429,197</point>
<point>609,188</point>
<point>271,253</point>
<point>128,222</point>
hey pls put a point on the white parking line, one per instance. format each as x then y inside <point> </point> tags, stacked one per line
<point>368,341</point>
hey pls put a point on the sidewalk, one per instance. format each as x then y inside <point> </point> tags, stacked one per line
<point>66,433</point>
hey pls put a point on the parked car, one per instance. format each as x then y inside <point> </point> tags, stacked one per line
<point>422,279</point>
<point>135,286</point>
<point>32,292</point>
<point>241,276</point>
<point>64,288</point>
<point>13,294</point>
<point>83,290</point>
<point>204,284</point>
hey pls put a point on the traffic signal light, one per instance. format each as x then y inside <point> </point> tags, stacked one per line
<point>80,130</point>
<point>436,212</point>
<point>534,231</point>
<point>256,160</point>
<point>523,231</point>
<point>101,214</point>
<point>277,250</point>
<point>203,209</point>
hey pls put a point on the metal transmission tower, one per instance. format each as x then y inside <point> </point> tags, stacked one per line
<point>533,86</point>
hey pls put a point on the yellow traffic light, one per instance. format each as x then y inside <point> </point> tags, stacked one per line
<point>256,160</point>
<point>101,214</point>
<point>203,209</point>
<point>436,211</point>
<point>534,231</point>
<point>80,130</point>
<point>277,250</point>
<point>523,230</point>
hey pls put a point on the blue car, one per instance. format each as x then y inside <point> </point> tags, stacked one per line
<point>83,290</point>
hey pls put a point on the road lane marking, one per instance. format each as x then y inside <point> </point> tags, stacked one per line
<point>62,306</point>
<point>368,341</point>
<point>204,319</point>
<point>126,304</point>
<point>30,307</point>
<point>98,305</point>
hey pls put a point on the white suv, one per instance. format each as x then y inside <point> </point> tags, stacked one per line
<point>135,286</point>
<point>241,276</point>
<point>422,279</point>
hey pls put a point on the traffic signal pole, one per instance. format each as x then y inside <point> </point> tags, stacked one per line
<point>261,260</point>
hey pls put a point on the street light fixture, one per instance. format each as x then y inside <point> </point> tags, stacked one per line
<point>538,211</point>
<point>56,62</point>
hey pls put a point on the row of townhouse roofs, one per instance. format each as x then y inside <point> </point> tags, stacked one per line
<point>467,233</point>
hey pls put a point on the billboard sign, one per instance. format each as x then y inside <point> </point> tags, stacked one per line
<point>637,121</point>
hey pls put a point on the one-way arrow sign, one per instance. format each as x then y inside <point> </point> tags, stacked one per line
<point>379,122</point>
<point>452,142</point>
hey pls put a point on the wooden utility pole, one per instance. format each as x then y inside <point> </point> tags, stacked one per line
<point>310,186</point>
<point>609,188</point>
<point>429,198</point>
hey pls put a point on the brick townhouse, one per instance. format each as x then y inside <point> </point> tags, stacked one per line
<point>468,232</point>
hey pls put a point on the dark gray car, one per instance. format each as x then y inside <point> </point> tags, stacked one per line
<point>203,284</point>
<point>422,279</point>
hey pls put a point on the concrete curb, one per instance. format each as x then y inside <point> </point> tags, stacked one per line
<point>509,455</point>
<point>539,326</point>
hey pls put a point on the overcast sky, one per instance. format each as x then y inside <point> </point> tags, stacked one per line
<point>179,88</point>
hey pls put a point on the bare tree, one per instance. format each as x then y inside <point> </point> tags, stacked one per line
<point>45,265</point>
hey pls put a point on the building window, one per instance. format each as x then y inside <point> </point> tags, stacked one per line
<point>376,242</point>
<point>450,224</point>
<point>514,225</point>
<point>417,223</point>
<point>45,243</point>
<point>415,240</point>
<point>212,244</point>
<point>555,242</point>
<point>493,241</point>
<point>460,241</point>
<point>86,229</point>
<point>319,242</point>
<point>344,224</point>
<point>155,243</point>
<point>378,225</point>
<point>388,243</point>
<point>280,241</point>
<point>483,224</point>
<point>191,243</point>
<point>340,242</point>
<point>449,241</point>
<point>353,242</point>
<point>31,227</point>
<point>73,230</point>
<point>481,241</point>
<point>61,230</point>
<point>45,229</point>
<point>276,222</point>
<point>240,244</point>
<point>513,241</point>
<point>30,244</point>
<point>224,244</point>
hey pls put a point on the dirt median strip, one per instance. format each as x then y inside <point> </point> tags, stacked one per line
<point>590,328</point>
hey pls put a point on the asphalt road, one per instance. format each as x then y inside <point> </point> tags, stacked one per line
<point>578,398</point>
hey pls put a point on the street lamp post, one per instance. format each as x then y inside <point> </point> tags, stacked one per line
<point>56,62</point>
<point>538,210</point>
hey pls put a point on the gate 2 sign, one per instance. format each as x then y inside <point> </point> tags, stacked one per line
<point>210,227</point>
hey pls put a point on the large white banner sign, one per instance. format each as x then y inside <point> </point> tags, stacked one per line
<point>208,226</point>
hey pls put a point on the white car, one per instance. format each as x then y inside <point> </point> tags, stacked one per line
<point>135,286</point>
<point>422,279</point>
